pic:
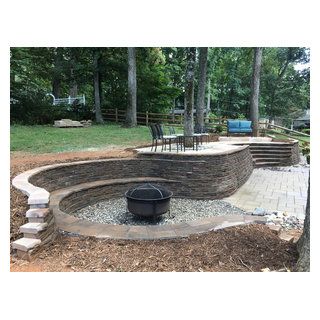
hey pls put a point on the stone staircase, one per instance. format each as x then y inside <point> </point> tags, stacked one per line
<point>271,154</point>
<point>38,231</point>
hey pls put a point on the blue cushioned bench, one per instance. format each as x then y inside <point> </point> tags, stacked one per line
<point>239,126</point>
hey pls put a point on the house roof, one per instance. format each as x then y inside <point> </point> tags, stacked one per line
<point>305,117</point>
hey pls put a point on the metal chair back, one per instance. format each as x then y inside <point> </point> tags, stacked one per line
<point>154,131</point>
<point>172,131</point>
<point>159,130</point>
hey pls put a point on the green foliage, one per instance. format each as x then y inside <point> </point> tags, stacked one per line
<point>212,115</point>
<point>155,93</point>
<point>241,116</point>
<point>219,128</point>
<point>284,90</point>
<point>307,131</point>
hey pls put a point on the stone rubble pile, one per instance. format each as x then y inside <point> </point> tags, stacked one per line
<point>86,123</point>
<point>68,123</point>
<point>279,218</point>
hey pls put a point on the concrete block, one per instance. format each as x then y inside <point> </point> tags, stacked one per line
<point>25,244</point>
<point>33,227</point>
<point>37,213</point>
<point>39,197</point>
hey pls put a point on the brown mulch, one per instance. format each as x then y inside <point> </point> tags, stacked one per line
<point>243,248</point>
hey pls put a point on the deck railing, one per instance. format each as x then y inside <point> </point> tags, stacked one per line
<point>70,100</point>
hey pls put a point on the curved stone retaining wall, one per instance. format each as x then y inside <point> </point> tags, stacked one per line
<point>214,177</point>
<point>194,176</point>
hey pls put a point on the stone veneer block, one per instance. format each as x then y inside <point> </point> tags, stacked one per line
<point>37,206</point>
<point>25,244</point>
<point>39,197</point>
<point>37,213</point>
<point>33,227</point>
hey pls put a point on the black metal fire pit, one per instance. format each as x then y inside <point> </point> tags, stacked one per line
<point>148,200</point>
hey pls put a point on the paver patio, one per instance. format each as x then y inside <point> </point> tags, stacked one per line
<point>284,190</point>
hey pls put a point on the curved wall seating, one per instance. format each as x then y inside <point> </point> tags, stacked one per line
<point>193,176</point>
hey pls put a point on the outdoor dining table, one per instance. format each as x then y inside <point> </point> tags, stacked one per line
<point>196,138</point>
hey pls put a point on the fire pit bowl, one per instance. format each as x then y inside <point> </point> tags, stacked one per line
<point>148,200</point>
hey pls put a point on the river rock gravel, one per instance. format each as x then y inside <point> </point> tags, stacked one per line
<point>113,211</point>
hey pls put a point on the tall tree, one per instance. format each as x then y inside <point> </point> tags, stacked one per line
<point>57,72</point>
<point>97,85</point>
<point>303,244</point>
<point>189,91</point>
<point>131,115</point>
<point>281,78</point>
<point>209,94</point>
<point>255,88</point>
<point>201,86</point>
<point>73,91</point>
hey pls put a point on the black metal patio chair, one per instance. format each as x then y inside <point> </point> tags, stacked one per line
<point>155,136</point>
<point>166,139</point>
<point>202,131</point>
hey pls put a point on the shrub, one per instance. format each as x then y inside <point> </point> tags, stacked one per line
<point>219,128</point>
<point>35,109</point>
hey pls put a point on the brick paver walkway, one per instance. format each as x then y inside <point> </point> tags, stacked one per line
<point>284,190</point>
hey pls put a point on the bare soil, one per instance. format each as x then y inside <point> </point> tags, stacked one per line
<point>243,248</point>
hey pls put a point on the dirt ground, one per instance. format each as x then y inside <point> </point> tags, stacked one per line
<point>243,248</point>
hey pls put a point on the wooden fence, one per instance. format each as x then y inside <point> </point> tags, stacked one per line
<point>145,118</point>
<point>177,120</point>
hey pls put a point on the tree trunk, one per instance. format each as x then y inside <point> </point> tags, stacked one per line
<point>209,95</point>
<point>73,92</point>
<point>189,92</point>
<point>255,87</point>
<point>131,115</point>
<point>96,79</point>
<point>57,70</point>
<point>202,86</point>
<point>303,244</point>
<point>73,86</point>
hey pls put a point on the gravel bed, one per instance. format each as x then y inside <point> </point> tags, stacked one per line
<point>113,211</point>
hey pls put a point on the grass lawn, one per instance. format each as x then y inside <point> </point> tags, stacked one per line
<point>294,136</point>
<point>46,139</point>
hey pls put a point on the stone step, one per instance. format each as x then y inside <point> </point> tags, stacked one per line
<point>271,144</point>
<point>33,227</point>
<point>270,155</point>
<point>42,234</point>
<point>261,159</point>
<point>37,213</point>
<point>275,151</point>
<point>267,164</point>
<point>270,147</point>
<point>25,244</point>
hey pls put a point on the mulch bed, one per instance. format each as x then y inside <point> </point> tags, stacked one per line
<point>242,248</point>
